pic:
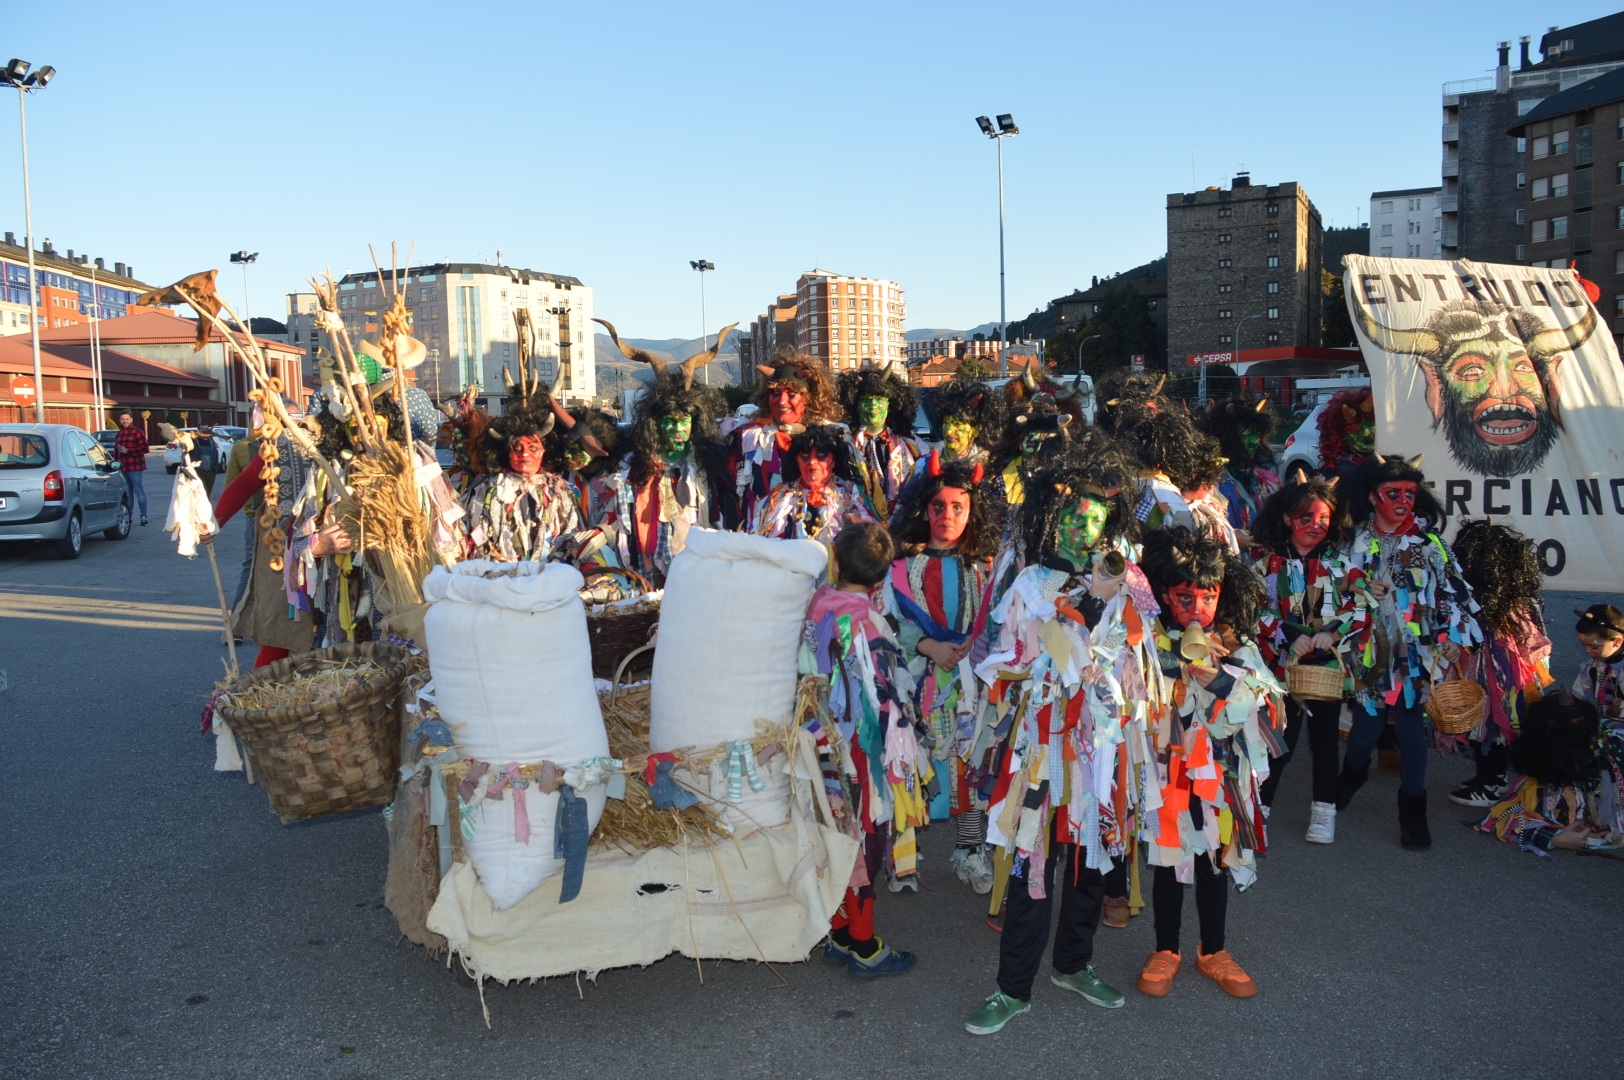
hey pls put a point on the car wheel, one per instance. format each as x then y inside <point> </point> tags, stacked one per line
<point>171,469</point>
<point>73,542</point>
<point>121,524</point>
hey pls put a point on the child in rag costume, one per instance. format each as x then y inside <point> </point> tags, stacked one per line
<point>517,510</point>
<point>1043,416</point>
<point>796,391</point>
<point>868,697</point>
<point>1309,609</point>
<point>1211,752</point>
<point>1601,682</point>
<point>1242,428</point>
<point>1071,682</point>
<point>1422,618</point>
<point>1556,759</point>
<point>937,592</point>
<point>819,496</point>
<point>1501,566</point>
<point>880,407</point>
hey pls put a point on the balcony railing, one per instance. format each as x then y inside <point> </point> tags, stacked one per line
<point>1468,86</point>
<point>1451,133</point>
<point>1452,168</point>
<point>1449,204</point>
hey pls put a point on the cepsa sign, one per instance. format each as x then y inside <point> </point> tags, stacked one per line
<point>1199,359</point>
<point>23,391</point>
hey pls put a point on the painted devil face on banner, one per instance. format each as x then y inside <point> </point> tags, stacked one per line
<point>1491,380</point>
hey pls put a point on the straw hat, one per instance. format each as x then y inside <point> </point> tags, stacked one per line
<point>408,350</point>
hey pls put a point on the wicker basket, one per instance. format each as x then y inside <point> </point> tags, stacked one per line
<point>317,760</point>
<point>1456,706</point>
<point>1314,682</point>
<point>617,633</point>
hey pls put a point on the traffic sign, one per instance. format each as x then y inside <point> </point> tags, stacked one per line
<point>23,391</point>
<point>1138,361</point>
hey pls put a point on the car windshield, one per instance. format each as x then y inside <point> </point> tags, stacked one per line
<point>19,451</point>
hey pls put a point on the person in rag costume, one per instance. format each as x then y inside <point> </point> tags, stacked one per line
<point>517,510</point>
<point>1198,474</point>
<point>1210,749</point>
<point>936,592</point>
<point>1042,417</point>
<point>819,496</point>
<point>1173,457</point>
<point>1071,682</point>
<point>1559,769</point>
<point>1422,616</point>
<point>1347,433</point>
<point>796,391</point>
<point>1242,428</point>
<point>1124,397</point>
<point>589,474</point>
<point>1513,666</point>
<point>667,482</point>
<point>880,407</point>
<point>1601,682</point>
<point>1308,610</point>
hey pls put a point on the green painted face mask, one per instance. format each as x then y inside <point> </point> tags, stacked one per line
<point>675,433</point>
<point>576,459</point>
<point>874,411</point>
<point>959,435</point>
<point>1079,529</point>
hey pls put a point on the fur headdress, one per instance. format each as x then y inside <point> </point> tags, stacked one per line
<point>972,399</point>
<point>807,372</point>
<point>1344,412</point>
<point>1227,420</point>
<point>1557,743</point>
<point>1378,470</point>
<point>673,393</point>
<point>588,421</point>
<point>1181,556</point>
<point>1038,403</point>
<point>879,382</point>
<point>1167,440</point>
<point>1094,465</point>
<point>1269,528</point>
<point>1126,396</point>
<point>1501,566</point>
<point>910,523</point>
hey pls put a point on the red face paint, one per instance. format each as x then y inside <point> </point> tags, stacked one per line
<point>1309,525</point>
<point>1395,505</point>
<point>1193,604</point>
<point>817,466</point>
<point>949,513</point>
<point>525,455</point>
<point>787,403</point>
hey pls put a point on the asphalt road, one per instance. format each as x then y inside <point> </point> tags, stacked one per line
<point>163,924</point>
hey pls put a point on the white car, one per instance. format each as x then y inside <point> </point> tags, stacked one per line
<point>173,452</point>
<point>1302,446</point>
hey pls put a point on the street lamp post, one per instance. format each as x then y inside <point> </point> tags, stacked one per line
<point>1006,128</point>
<point>245,258</point>
<point>17,74</point>
<point>1201,391</point>
<point>1080,344</point>
<point>702,265</point>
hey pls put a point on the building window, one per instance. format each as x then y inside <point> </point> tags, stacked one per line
<point>1559,228</point>
<point>1225,264</point>
<point>1542,147</point>
<point>1272,234</point>
<point>1274,286</point>
<point>1618,262</point>
<point>1226,288</point>
<point>1522,143</point>
<point>1225,211</point>
<point>1226,339</point>
<point>1387,206</point>
<point>1274,260</point>
<point>1223,238</point>
<point>1559,185</point>
<point>1522,181</point>
<point>1273,208</point>
<point>1274,313</point>
<point>1225,313</point>
<point>1621,217</point>
<point>1387,230</point>
<point>1153,305</point>
<point>1559,143</point>
<point>1415,204</point>
<point>1618,305</point>
<point>1541,231</point>
<point>1519,217</point>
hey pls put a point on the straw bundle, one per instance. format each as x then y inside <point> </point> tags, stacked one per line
<point>326,682</point>
<point>633,824</point>
<point>387,517</point>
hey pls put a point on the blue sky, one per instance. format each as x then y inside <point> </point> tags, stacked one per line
<point>617,141</point>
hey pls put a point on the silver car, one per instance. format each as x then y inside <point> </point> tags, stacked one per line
<point>57,484</point>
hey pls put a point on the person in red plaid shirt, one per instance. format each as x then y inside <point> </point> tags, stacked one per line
<point>130,447</point>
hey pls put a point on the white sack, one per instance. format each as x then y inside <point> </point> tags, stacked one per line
<point>730,634</point>
<point>512,666</point>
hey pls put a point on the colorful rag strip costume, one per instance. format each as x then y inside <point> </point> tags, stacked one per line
<point>884,464</point>
<point>796,512</point>
<point>650,522</point>
<point>1601,682</point>
<point>756,456</point>
<point>512,518</point>
<point>1305,596</point>
<point>1514,671</point>
<point>1245,490</point>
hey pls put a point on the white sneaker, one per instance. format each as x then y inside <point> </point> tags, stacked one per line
<point>909,883</point>
<point>979,867</point>
<point>957,861</point>
<point>1322,827</point>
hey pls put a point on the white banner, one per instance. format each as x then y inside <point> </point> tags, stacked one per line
<point>1507,379</point>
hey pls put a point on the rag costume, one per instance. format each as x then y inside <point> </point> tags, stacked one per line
<point>1601,682</point>
<point>797,512</point>
<point>512,518</point>
<point>883,459</point>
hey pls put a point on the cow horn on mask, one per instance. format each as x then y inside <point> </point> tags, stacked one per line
<point>700,359</point>
<point>1410,342</point>
<point>660,366</point>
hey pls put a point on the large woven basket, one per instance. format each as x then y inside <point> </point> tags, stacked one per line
<point>1456,706</point>
<point>617,633</point>
<point>316,760</point>
<point>1314,682</point>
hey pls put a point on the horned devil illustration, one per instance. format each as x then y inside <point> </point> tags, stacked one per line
<point>1491,378</point>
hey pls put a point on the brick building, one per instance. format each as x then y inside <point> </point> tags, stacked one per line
<point>1253,250</point>
<point>1574,197</point>
<point>918,352</point>
<point>69,390</point>
<point>72,288</point>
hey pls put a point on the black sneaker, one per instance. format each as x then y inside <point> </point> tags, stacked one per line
<point>1475,793</point>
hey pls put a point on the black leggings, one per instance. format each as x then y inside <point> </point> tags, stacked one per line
<point>1026,921</point>
<point>1211,901</point>
<point>1321,717</point>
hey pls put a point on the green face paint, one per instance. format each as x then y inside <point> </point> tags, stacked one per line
<point>874,410</point>
<point>1033,440</point>
<point>1251,440</point>
<point>1079,529</point>
<point>959,435</point>
<point>1362,439</point>
<point>576,458</point>
<point>675,431</point>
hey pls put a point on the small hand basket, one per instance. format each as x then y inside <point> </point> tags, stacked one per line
<point>1314,682</point>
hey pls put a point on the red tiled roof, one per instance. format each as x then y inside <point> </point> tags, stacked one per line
<point>147,326</point>
<point>74,361</point>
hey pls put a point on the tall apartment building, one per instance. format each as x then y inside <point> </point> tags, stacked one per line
<point>72,288</point>
<point>1406,224</point>
<point>847,321</point>
<point>463,314</point>
<point>301,321</point>
<point>1484,168</point>
<point>954,348</point>
<point>773,329</point>
<point>1253,250</point>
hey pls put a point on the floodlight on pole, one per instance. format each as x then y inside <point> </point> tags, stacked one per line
<point>703,265</point>
<point>16,74</point>
<point>245,258</point>
<point>1006,129</point>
